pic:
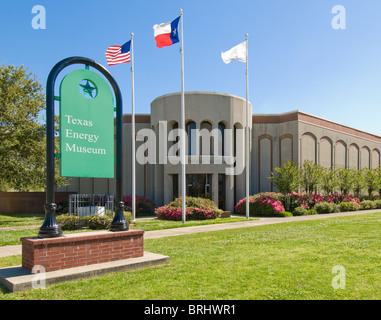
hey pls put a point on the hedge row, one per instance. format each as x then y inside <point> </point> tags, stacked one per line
<point>94,222</point>
<point>196,209</point>
<point>276,204</point>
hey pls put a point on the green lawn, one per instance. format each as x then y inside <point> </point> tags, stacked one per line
<point>157,224</point>
<point>13,220</point>
<point>12,237</point>
<point>282,261</point>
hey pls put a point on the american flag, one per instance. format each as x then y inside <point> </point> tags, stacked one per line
<point>118,54</point>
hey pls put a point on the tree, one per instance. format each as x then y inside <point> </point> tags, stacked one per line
<point>370,180</point>
<point>310,176</point>
<point>286,180</point>
<point>345,180</point>
<point>22,136</point>
<point>378,179</point>
<point>329,180</point>
<point>358,182</point>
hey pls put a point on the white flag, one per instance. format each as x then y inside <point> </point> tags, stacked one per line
<point>236,53</point>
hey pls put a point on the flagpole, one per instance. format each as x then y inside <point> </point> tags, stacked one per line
<point>133,131</point>
<point>247,129</point>
<point>182,149</point>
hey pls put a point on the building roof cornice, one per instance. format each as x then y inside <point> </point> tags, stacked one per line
<point>315,120</point>
<point>201,93</point>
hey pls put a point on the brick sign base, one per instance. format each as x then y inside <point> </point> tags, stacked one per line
<point>81,249</point>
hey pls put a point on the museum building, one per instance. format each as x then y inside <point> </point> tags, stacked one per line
<point>274,139</point>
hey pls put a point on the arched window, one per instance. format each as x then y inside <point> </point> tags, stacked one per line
<point>175,127</point>
<point>206,144</point>
<point>191,132</point>
<point>221,139</point>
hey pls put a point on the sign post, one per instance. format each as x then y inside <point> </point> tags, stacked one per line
<point>87,149</point>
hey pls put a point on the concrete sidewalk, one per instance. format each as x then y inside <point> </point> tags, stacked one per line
<point>16,249</point>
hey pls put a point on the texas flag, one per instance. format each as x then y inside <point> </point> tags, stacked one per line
<point>166,34</point>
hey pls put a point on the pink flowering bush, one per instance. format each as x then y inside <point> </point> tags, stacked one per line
<point>349,198</point>
<point>271,203</point>
<point>142,204</point>
<point>334,198</point>
<point>171,213</point>
<point>339,198</point>
<point>196,209</point>
<point>264,204</point>
<point>309,201</point>
<point>303,200</point>
<point>240,207</point>
<point>314,199</point>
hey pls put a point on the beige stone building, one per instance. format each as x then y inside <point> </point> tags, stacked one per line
<point>274,139</point>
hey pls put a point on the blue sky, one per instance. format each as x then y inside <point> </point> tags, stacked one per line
<point>297,61</point>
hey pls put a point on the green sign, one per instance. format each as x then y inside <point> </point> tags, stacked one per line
<point>86,126</point>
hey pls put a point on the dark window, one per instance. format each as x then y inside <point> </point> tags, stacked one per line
<point>191,132</point>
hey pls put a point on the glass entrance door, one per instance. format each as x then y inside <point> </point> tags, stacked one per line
<point>199,185</point>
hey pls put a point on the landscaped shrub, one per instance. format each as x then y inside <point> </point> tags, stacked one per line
<point>334,198</point>
<point>273,195</point>
<point>171,213</point>
<point>94,222</point>
<point>204,214</point>
<point>263,204</point>
<point>349,198</point>
<point>142,204</point>
<point>284,214</point>
<point>194,202</point>
<point>314,199</point>
<point>196,209</point>
<point>373,197</point>
<point>349,206</point>
<point>368,204</point>
<point>303,200</point>
<point>309,201</point>
<point>294,200</point>
<point>302,211</point>
<point>326,207</point>
<point>378,204</point>
<point>69,222</point>
<point>299,211</point>
<point>266,204</point>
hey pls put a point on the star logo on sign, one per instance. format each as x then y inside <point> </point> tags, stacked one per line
<point>88,89</point>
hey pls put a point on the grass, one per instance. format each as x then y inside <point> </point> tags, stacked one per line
<point>282,261</point>
<point>12,237</point>
<point>157,224</point>
<point>13,220</point>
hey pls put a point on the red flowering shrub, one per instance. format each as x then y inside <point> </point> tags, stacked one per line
<point>264,204</point>
<point>196,209</point>
<point>349,198</point>
<point>339,198</point>
<point>271,203</point>
<point>142,204</point>
<point>309,201</point>
<point>171,213</point>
